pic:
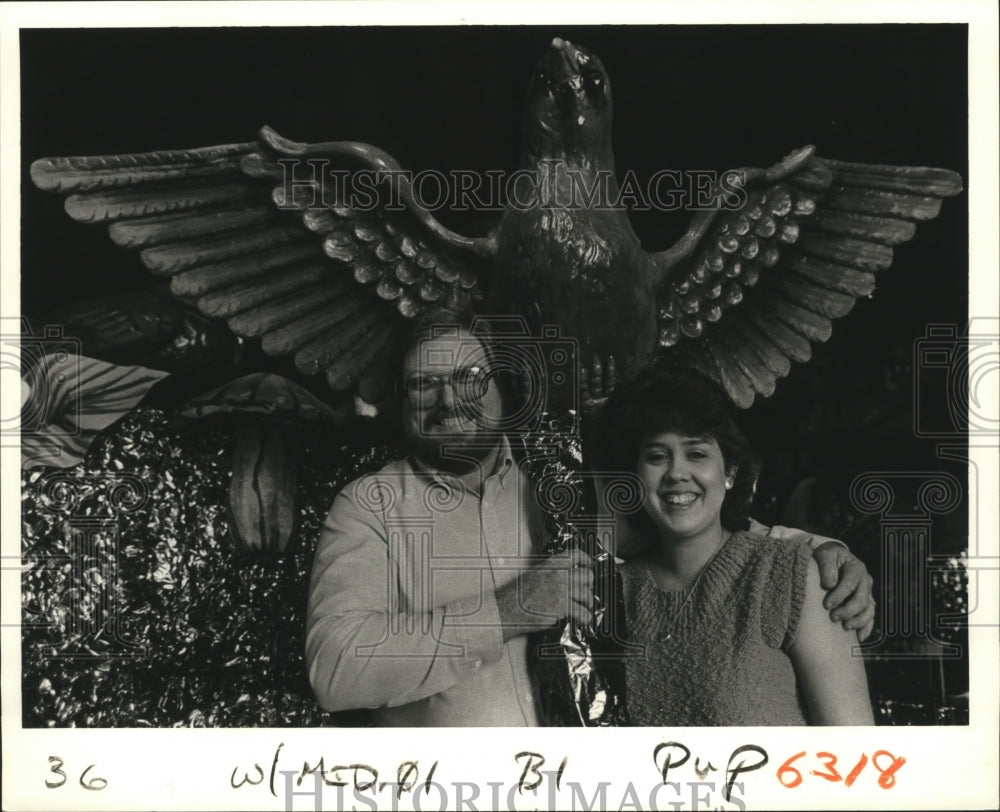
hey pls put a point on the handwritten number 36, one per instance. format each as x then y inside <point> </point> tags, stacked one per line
<point>56,767</point>
<point>790,777</point>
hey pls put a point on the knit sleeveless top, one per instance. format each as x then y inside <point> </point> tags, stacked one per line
<point>725,662</point>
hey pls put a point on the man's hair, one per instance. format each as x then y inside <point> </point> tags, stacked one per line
<point>684,401</point>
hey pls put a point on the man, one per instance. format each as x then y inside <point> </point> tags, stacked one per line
<point>425,583</point>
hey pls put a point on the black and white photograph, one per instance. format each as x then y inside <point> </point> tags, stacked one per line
<point>377,377</point>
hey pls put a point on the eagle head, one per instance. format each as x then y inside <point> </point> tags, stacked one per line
<point>569,106</point>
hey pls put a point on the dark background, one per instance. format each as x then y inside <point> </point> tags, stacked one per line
<point>699,97</point>
<point>691,97</point>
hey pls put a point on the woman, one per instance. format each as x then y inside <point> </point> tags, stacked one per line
<point>726,626</point>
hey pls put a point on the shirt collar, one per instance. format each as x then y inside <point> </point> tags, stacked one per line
<point>504,464</point>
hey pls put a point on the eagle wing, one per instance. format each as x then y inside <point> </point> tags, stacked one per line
<point>754,289</point>
<point>299,264</point>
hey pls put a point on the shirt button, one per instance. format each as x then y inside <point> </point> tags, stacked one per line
<point>529,697</point>
<point>477,663</point>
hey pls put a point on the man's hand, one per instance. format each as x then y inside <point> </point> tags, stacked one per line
<point>848,588</point>
<point>539,597</point>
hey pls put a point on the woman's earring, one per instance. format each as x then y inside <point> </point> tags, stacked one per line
<point>729,483</point>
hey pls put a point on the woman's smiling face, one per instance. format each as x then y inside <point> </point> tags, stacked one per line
<point>686,482</point>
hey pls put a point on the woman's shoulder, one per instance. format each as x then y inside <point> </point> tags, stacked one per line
<point>761,540</point>
<point>782,569</point>
<point>773,565</point>
<point>751,537</point>
<point>760,545</point>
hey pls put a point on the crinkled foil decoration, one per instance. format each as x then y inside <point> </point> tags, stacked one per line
<point>137,609</point>
<point>579,671</point>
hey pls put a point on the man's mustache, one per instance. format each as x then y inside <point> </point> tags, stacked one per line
<point>469,411</point>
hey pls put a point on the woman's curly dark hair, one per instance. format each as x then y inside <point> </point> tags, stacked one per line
<point>679,400</point>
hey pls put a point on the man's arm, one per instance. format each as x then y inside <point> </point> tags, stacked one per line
<point>362,650</point>
<point>842,574</point>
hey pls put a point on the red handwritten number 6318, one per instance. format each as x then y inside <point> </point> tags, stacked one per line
<point>790,777</point>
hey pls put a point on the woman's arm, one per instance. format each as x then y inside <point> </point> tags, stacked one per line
<point>833,681</point>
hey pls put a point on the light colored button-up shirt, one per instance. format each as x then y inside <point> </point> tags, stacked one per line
<point>402,613</point>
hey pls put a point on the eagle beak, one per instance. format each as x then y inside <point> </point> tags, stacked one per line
<point>568,53</point>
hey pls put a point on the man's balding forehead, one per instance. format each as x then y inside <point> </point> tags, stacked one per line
<point>452,349</point>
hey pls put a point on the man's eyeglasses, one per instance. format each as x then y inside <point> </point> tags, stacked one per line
<point>470,385</point>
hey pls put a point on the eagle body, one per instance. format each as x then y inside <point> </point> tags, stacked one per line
<point>561,262</point>
<point>566,252</point>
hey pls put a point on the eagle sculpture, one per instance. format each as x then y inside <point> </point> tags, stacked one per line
<point>255,234</point>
